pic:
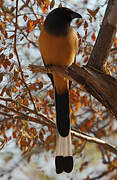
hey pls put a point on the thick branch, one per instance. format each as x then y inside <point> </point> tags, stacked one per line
<point>105,37</point>
<point>102,86</point>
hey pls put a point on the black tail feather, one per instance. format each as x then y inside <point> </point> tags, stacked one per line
<point>68,164</point>
<point>59,164</point>
<point>62,113</point>
<point>63,164</point>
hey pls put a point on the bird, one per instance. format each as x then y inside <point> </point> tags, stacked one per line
<point>58,44</point>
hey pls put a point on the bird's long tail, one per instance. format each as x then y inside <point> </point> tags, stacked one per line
<point>64,159</point>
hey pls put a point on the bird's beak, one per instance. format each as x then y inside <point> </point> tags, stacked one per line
<point>75,15</point>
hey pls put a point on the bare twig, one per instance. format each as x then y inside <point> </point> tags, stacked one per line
<point>114,50</point>
<point>22,116</point>
<point>51,123</point>
<point>20,68</point>
<point>26,108</point>
<point>105,173</point>
<point>29,40</point>
<point>105,145</point>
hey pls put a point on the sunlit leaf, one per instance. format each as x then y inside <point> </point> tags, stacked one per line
<point>17,83</point>
<point>34,132</point>
<point>1,77</point>
<point>93,13</point>
<point>86,59</point>
<point>15,89</point>
<point>30,25</point>
<point>115,162</point>
<point>51,93</point>
<point>39,2</point>
<point>78,105</point>
<point>89,123</point>
<point>85,25</point>
<point>12,36</point>
<point>11,67</point>
<point>6,63</point>
<point>52,4</point>
<point>3,25</point>
<point>37,21</point>
<point>47,2</point>
<point>8,92</point>
<point>83,166</point>
<point>9,17</point>
<point>99,115</point>
<point>14,134</point>
<point>90,19</point>
<point>86,101</point>
<point>25,102</point>
<point>10,56</point>
<point>28,45</point>
<point>60,5</point>
<point>32,86</point>
<point>23,141</point>
<point>93,37</point>
<point>52,112</point>
<point>0,13</point>
<point>16,73</point>
<point>73,120</point>
<point>78,23</point>
<point>88,178</point>
<point>115,41</point>
<point>41,135</point>
<point>25,17</point>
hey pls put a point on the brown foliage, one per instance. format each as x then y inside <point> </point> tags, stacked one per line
<point>27,99</point>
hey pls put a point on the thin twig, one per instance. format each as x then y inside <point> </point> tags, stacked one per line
<point>51,123</point>
<point>20,115</point>
<point>15,50</point>
<point>27,109</point>
<point>105,173</point>
<point>105,145</point>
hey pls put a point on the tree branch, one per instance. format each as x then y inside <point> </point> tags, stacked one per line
<point>105,37</point>
<point>48,122</point>
<point>18,59</point>
<point>102,86</point>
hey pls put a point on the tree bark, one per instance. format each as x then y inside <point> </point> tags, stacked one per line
<point>105,37</point>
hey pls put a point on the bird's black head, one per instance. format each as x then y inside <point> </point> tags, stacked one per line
<point>58,21</point>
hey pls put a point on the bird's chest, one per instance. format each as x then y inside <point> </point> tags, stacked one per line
<point>58,50</point>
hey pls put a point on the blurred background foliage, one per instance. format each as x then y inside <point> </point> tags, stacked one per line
<point>27,140</point>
